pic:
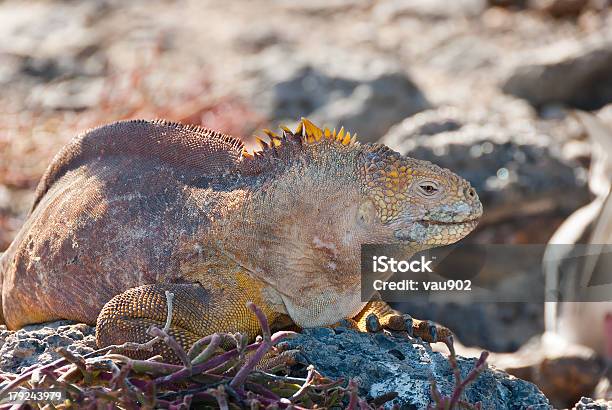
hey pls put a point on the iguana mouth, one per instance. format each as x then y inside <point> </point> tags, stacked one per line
<point>423,230</point>
<point>464,222</point>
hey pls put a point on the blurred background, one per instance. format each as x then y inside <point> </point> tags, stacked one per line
<point>485,88</point>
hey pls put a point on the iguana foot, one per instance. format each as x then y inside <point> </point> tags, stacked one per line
<point>277,359</point>
<point>378,315</point>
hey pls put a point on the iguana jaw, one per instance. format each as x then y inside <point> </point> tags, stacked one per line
<point>440,225</point>
<point>434,233</point>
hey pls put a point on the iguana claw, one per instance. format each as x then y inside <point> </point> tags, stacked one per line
<point>373,324</point>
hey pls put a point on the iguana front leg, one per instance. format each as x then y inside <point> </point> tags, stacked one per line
<point>377,315</point>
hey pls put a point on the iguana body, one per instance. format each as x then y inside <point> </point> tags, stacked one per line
<point>186,209</point>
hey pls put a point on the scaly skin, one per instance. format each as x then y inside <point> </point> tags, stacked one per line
<point>130,210</point>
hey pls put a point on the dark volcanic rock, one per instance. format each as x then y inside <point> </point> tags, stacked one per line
<point>382,364</point>
<point>577,74</point>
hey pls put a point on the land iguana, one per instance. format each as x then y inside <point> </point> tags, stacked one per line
<point>130,210</point>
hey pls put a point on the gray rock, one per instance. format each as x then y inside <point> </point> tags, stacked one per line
<point>391,10</point>
<point>53,54</point>
<point>256,38</point>
<point>586,403</point>
<point>508,3</point>
<point>463,54</point>
<point>48,41</point>
<point>383,363</point>
<point>322,7</point>
<point>366,94</point>
<point>575,73</point>
<point>75,94</point>
<point>37,343</point>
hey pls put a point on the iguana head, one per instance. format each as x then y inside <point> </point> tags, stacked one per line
<point>421,203</point>
<point>318,195</point>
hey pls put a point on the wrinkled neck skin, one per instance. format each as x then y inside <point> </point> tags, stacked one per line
<point>300,234</point>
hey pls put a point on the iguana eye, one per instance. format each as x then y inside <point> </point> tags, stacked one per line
<point>428,188</point>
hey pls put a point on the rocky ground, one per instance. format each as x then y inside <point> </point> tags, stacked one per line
<point>379,364</point>
<point>482,87</point>
<point>384,363</point>
<point>38,343</point>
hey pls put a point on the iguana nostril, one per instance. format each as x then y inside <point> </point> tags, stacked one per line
<point>471,193</point>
